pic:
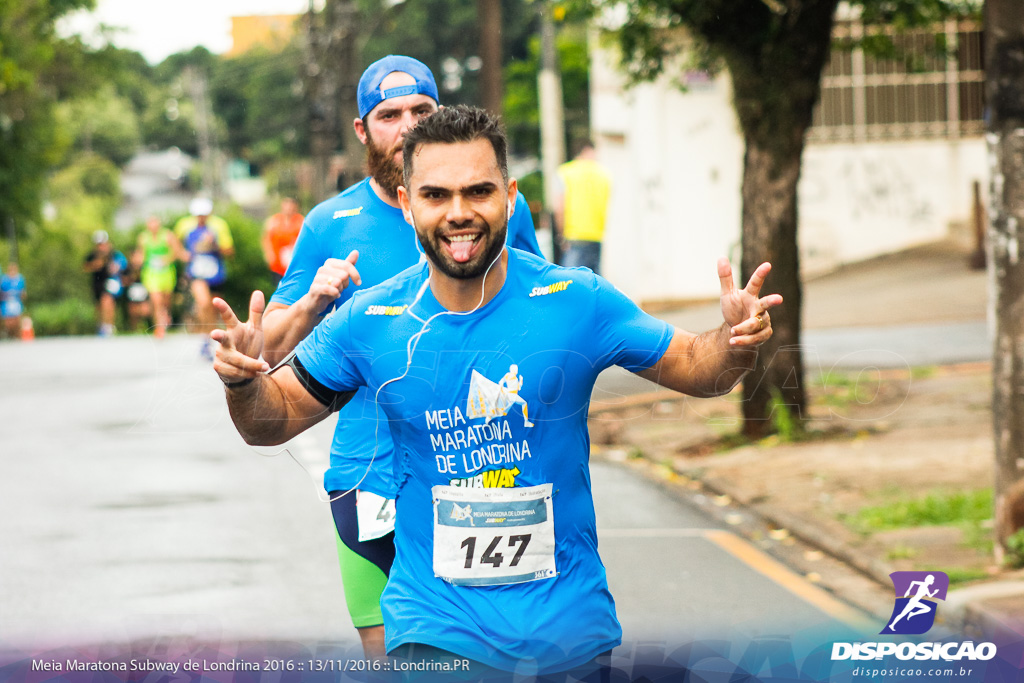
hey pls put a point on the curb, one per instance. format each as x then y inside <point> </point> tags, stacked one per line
<point>874,569</point>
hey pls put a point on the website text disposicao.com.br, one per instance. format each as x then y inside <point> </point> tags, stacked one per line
<point>951,660</point>
<point>904,673</point>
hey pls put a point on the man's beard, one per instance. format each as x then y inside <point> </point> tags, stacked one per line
<point>438,255</point>
<point>383,168</point>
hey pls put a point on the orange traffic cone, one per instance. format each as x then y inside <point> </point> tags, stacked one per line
<point>28,333</point>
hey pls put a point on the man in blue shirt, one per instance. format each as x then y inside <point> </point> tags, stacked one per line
<point>12,291</point>
<point>496,542</point>
<point>353,241</point>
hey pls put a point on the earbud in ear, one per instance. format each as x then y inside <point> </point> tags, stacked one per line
<point>508,212</point>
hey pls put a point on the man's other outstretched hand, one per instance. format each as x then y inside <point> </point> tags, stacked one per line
<point>240,344</point>
<point>744,310</point>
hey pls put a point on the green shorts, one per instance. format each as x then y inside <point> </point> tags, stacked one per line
<point>365,565</point>
<point>162,280</point>
<point>363,583</point>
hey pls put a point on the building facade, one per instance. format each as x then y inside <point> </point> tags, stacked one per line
<point>890,162</point>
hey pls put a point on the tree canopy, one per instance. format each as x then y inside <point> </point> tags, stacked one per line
<point>28,141</point>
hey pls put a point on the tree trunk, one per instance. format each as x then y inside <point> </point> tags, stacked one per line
<point>769,234</point>
<point>1004,41</point>
<point>776,83</point>
<point>489,20</point>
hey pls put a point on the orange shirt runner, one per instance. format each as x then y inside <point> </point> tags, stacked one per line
<point>279,239</point>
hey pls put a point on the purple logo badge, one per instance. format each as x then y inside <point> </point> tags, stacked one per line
<point>916,593</point>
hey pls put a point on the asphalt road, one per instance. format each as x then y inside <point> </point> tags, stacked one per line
<point>132,510</point>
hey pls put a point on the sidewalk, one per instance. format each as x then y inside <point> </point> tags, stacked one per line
<point>882,437</point>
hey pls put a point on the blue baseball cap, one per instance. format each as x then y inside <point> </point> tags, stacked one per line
<point>369,93</point>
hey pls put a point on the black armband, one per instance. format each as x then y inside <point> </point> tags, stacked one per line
<point>240,383</point>
<point>333,400</point>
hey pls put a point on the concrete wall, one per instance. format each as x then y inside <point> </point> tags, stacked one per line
<point>862,200</point>
<point>677,158</point>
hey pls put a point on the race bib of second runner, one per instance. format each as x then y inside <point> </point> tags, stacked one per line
<point>490,537</point>
<point>137,292</point>
<point>205,267</point>
<point>375,515</point>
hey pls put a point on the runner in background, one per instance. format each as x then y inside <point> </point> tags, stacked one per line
<point>207,239</point>
<point>159,248</point>
<point>279,235</point>
<point>106,265</point>
<point>138,307</point>
<point>12,299</point>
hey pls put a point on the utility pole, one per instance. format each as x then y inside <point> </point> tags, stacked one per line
<point>196,82</point>
<point>1004,59</point>
<point>320,101</point>
<point>331,77</point>
<point>491,77</point>
<point>552,118</point>
<point>349,70</point>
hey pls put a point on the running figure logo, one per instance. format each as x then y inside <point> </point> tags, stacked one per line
<point>914,613</point>
<point>461,513</point>
<point>489,400</point>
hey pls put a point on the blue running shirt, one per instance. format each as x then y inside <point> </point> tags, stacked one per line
<point>358,219</point>
<point>12,289</point>
<point>490,429</point>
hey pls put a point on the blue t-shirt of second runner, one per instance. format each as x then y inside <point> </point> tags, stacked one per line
<point>496,541</point>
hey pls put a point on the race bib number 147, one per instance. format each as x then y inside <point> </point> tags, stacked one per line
<point>490,537</point>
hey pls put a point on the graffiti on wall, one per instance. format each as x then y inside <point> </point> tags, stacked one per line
<point>872,188</point>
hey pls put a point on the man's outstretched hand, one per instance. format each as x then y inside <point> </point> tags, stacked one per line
<point>238,356</point>
<point>744,310</point>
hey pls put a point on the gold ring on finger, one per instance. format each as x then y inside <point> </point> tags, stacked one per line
<point>760,323</point>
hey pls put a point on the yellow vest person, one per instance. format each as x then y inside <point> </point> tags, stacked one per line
<point>582,208</point>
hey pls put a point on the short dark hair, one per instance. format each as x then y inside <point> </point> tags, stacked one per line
<point>459,123</point>
<point>579,145</point>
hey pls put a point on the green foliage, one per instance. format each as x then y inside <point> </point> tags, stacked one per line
<point>936,508</point>
<point>28,144</point>
<point>435,30</point>
<point>522,108</point>
<point>247,270</point>
<point>258,95</point>
<point>86,193</point>
<point>649,37</point>
<point>785,426</point>
<point>105,123</point>
<point>169,120</point>
<point>1015,549</point>
<point>64,317</point>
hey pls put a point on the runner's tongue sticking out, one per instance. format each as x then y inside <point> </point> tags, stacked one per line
<point>462,247</point>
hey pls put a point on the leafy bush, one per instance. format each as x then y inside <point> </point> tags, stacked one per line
<point>1015,549</point>
<point>247,270</point>
<point>66,317</point>
<point>105,123</point>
